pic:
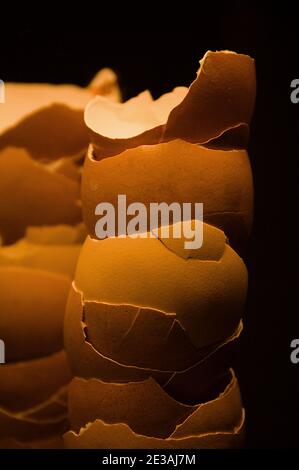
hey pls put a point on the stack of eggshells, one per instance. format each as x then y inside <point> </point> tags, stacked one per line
<point>150,326</point>
<point>42,141</point>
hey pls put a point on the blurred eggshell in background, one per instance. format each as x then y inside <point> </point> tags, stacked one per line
<point>32,304</point>
<point>46,119</point>
<point>31,194</point>
<point>25,384</point>
<point>53,249</point>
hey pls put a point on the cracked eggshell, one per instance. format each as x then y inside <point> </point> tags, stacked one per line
<point>53,249</point>
<point>32,304</point>
<point>143,337</point>
<point>115,127</point>
<point>33,194</point>
<point>148,410</point>
<point>26,384</point>
<point>143,406</point>
<point>216,423</point>
<point>43,421</point>
<point>33,412</point>
<point>99,435</point>
<point>115,331</point>
<point>47,120</point>
<point>207,296</point>
<point>86,361</point>
<point>221,98</point>
<point>190,386</point>
<point>200,114</point>
<point>200,381</point>
<point>174,171</point>
<point>24,427</point>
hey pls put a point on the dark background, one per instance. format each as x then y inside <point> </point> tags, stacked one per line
<point>160,60</point>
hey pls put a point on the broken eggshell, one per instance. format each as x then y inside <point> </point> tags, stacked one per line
<point>47,120</point>
<point>45,420</point>
<point>216,423</point>
<point>199,114</point>
<point>207,296</point>
<point>147,409</point>
<point>176,171</point>
<point>32,193</point>
<point>32,304</point>
<point>53,249</point>
<point>26,384</point>
<point>35,276</point>
<point>86,361</point>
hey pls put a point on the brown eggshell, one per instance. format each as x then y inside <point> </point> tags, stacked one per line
<point>219,414</point>
<point>119,331</point>
<point>202,380</point>
<point>221,98</point>
<point>86,361</point>
<point>144,406</point>
<point>174,172</point>
<point>115,127</point>
<point>105,83</point>
<point>30,194</point>
<point>42,421</point>
<point>217,423</point>
<point>67,166</point>
<point>207,296</point>
<point>18,426</point>
<point>190,386</point>
<point>53,249</point>
<point>25,385</point>
<point>148,410</point>
<point>99,435</point>
<point>144,337</point>
<point>47,119</point>
<point>32,304</point>
<point>53,408</point>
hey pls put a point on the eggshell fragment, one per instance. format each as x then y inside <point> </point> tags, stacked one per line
<point>53,249</point>
<point>47,120</point>
<point>42,421</point>
<point>120,331</point>
<point>190,385</point>
<point>105,83</point>
<point>26,384</point>
<point>52,408</point>
<point>148,410</point>
<point>115,127</point>
<point>207,296</point>
<point>86,361</point>
<point>30,194</point>
<point>176,171</point>
<point>99,435</point>
<point>217,423</point>
<point>56,235</point>
<point>22,426</point>
<point>32,304</point>
<point>201,380</point>
<point>221,98</point>
<point>115,331</point>
<point>143,406</point>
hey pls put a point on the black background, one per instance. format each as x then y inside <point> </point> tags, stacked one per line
<point>160,60</point>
